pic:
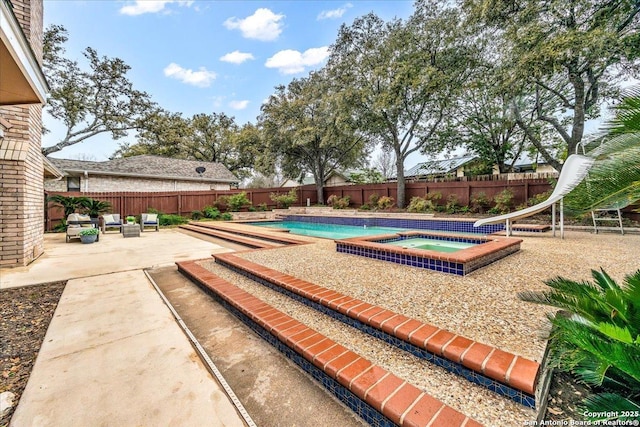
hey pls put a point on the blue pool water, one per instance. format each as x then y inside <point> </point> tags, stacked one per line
<point>327,231</point>
<point>433,244</point>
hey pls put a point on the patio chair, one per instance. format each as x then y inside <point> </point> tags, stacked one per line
<point>149,220</point>
<point>76,223</point>
<point>111,221</point>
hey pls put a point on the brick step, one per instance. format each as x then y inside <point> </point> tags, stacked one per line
<point>275,238</point>
<point>505,373</point>
<point>376,395</point>
<point>252,243</point>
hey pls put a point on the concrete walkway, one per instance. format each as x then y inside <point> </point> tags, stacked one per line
<point>113,353</point>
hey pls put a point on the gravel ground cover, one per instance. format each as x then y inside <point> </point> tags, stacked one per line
<point>482,306</point>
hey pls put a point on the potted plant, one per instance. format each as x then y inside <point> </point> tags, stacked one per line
<point>89,235</point>
<point>131,219</point>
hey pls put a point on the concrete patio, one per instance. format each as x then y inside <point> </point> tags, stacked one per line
<point>100,364</point>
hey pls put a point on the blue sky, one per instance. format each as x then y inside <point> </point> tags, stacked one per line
<point>204,56</point>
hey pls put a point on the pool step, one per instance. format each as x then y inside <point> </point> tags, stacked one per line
<point>376,395</point>
<point>273,237</point>
<point>251,243</point>
<point>512,376</point>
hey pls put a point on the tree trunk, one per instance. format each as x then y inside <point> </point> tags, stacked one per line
<point>319,192</point>
<point>401,184</point>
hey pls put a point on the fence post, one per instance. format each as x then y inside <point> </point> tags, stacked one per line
<point>179,203</point>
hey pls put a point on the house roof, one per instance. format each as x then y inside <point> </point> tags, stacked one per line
<point>436,167</point>
<point>147,166</point>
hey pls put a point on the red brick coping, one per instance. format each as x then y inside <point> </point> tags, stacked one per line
<point>499,365</point>
<point>401,402</point>
<point>229,236</point>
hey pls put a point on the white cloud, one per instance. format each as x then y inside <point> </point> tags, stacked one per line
<point>139,7</point>
<point>239,105</point>
<point>335,13</point>
<point>236,57</point>
<point>200,78</point>
<point>262,25</point>
<point>291,61</point>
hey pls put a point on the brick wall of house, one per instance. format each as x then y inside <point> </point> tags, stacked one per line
<point>21,167</point>
<point>100,183</point>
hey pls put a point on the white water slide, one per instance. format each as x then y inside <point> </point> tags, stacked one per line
<point>574,170</point>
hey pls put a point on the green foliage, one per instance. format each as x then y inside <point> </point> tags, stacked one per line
<point>422,204</point>
<point>131,218</point>
<point>89,231</point>
<point>170,219</point>
<point>307,130</point>
<point>94,208</point>
<point>373,199</point>
<point>211,212</point>
<point>262,207</point>
<point>93,99</point>
<point>367,176</point>
<point>566,58</point>
<point>70,204</point>
<point>341,202</point>
<point>479,202</point>
<point>398,79</point>
<point>385,202</point>
<point>221,203</point>
<point>503,201</point>
<point>196,215</point>
<point>539,198</point>
<point>614,179</point>
<point>226,216</point>
<point>597,336</point>
<point>238,201</point>
<point>284,200</point>
<point>453,205</point>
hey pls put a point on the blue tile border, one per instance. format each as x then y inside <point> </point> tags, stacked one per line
<point>456,368</point>
<point>418,224</point>
<point>365,411</point>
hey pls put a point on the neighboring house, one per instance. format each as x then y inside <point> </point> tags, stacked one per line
<point>140,174</point>
<point>335,178</point>
<point>460,166</point>
<point>23,92</point>
<point>454,166</point>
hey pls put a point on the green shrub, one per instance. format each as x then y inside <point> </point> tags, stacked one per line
<point>170,219</point>
<point>373,199</point>
<point>284,200</point>
<point>211,212</point>
<point>539,198</point>
<point>221,203</point>
<point>89,231</point>
<point>365,207</point>
<point>424,204</point>
<point>341,203</point>
<point>504,201</point>
<point>226,216</point>
<point>452,205</point>
<point>480,202</point>
<point>385,202</point>
<point>237,201</point>
<point>596,338</point>
<point>262,207</point>
<point>196,215</point>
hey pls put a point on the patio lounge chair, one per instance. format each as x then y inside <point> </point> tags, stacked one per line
<point>149,220</point>
<point>76,223</point>
<point>111,221</point>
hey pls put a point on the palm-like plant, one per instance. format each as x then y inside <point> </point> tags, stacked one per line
<point>69,203</point>
<point>94,208</point>
<point>614,179</point>
<point>597,337</point>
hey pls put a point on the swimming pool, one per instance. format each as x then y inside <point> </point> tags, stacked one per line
<point>327,231</point>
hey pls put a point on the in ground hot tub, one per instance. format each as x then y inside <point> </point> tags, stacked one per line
<point>453,254</point>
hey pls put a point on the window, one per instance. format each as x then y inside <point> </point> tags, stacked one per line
<point>73,183</point>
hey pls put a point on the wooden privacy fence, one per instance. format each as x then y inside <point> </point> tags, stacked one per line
<point>183,203</point>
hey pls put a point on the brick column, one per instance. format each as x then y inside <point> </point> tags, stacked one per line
<point>21,167</point>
